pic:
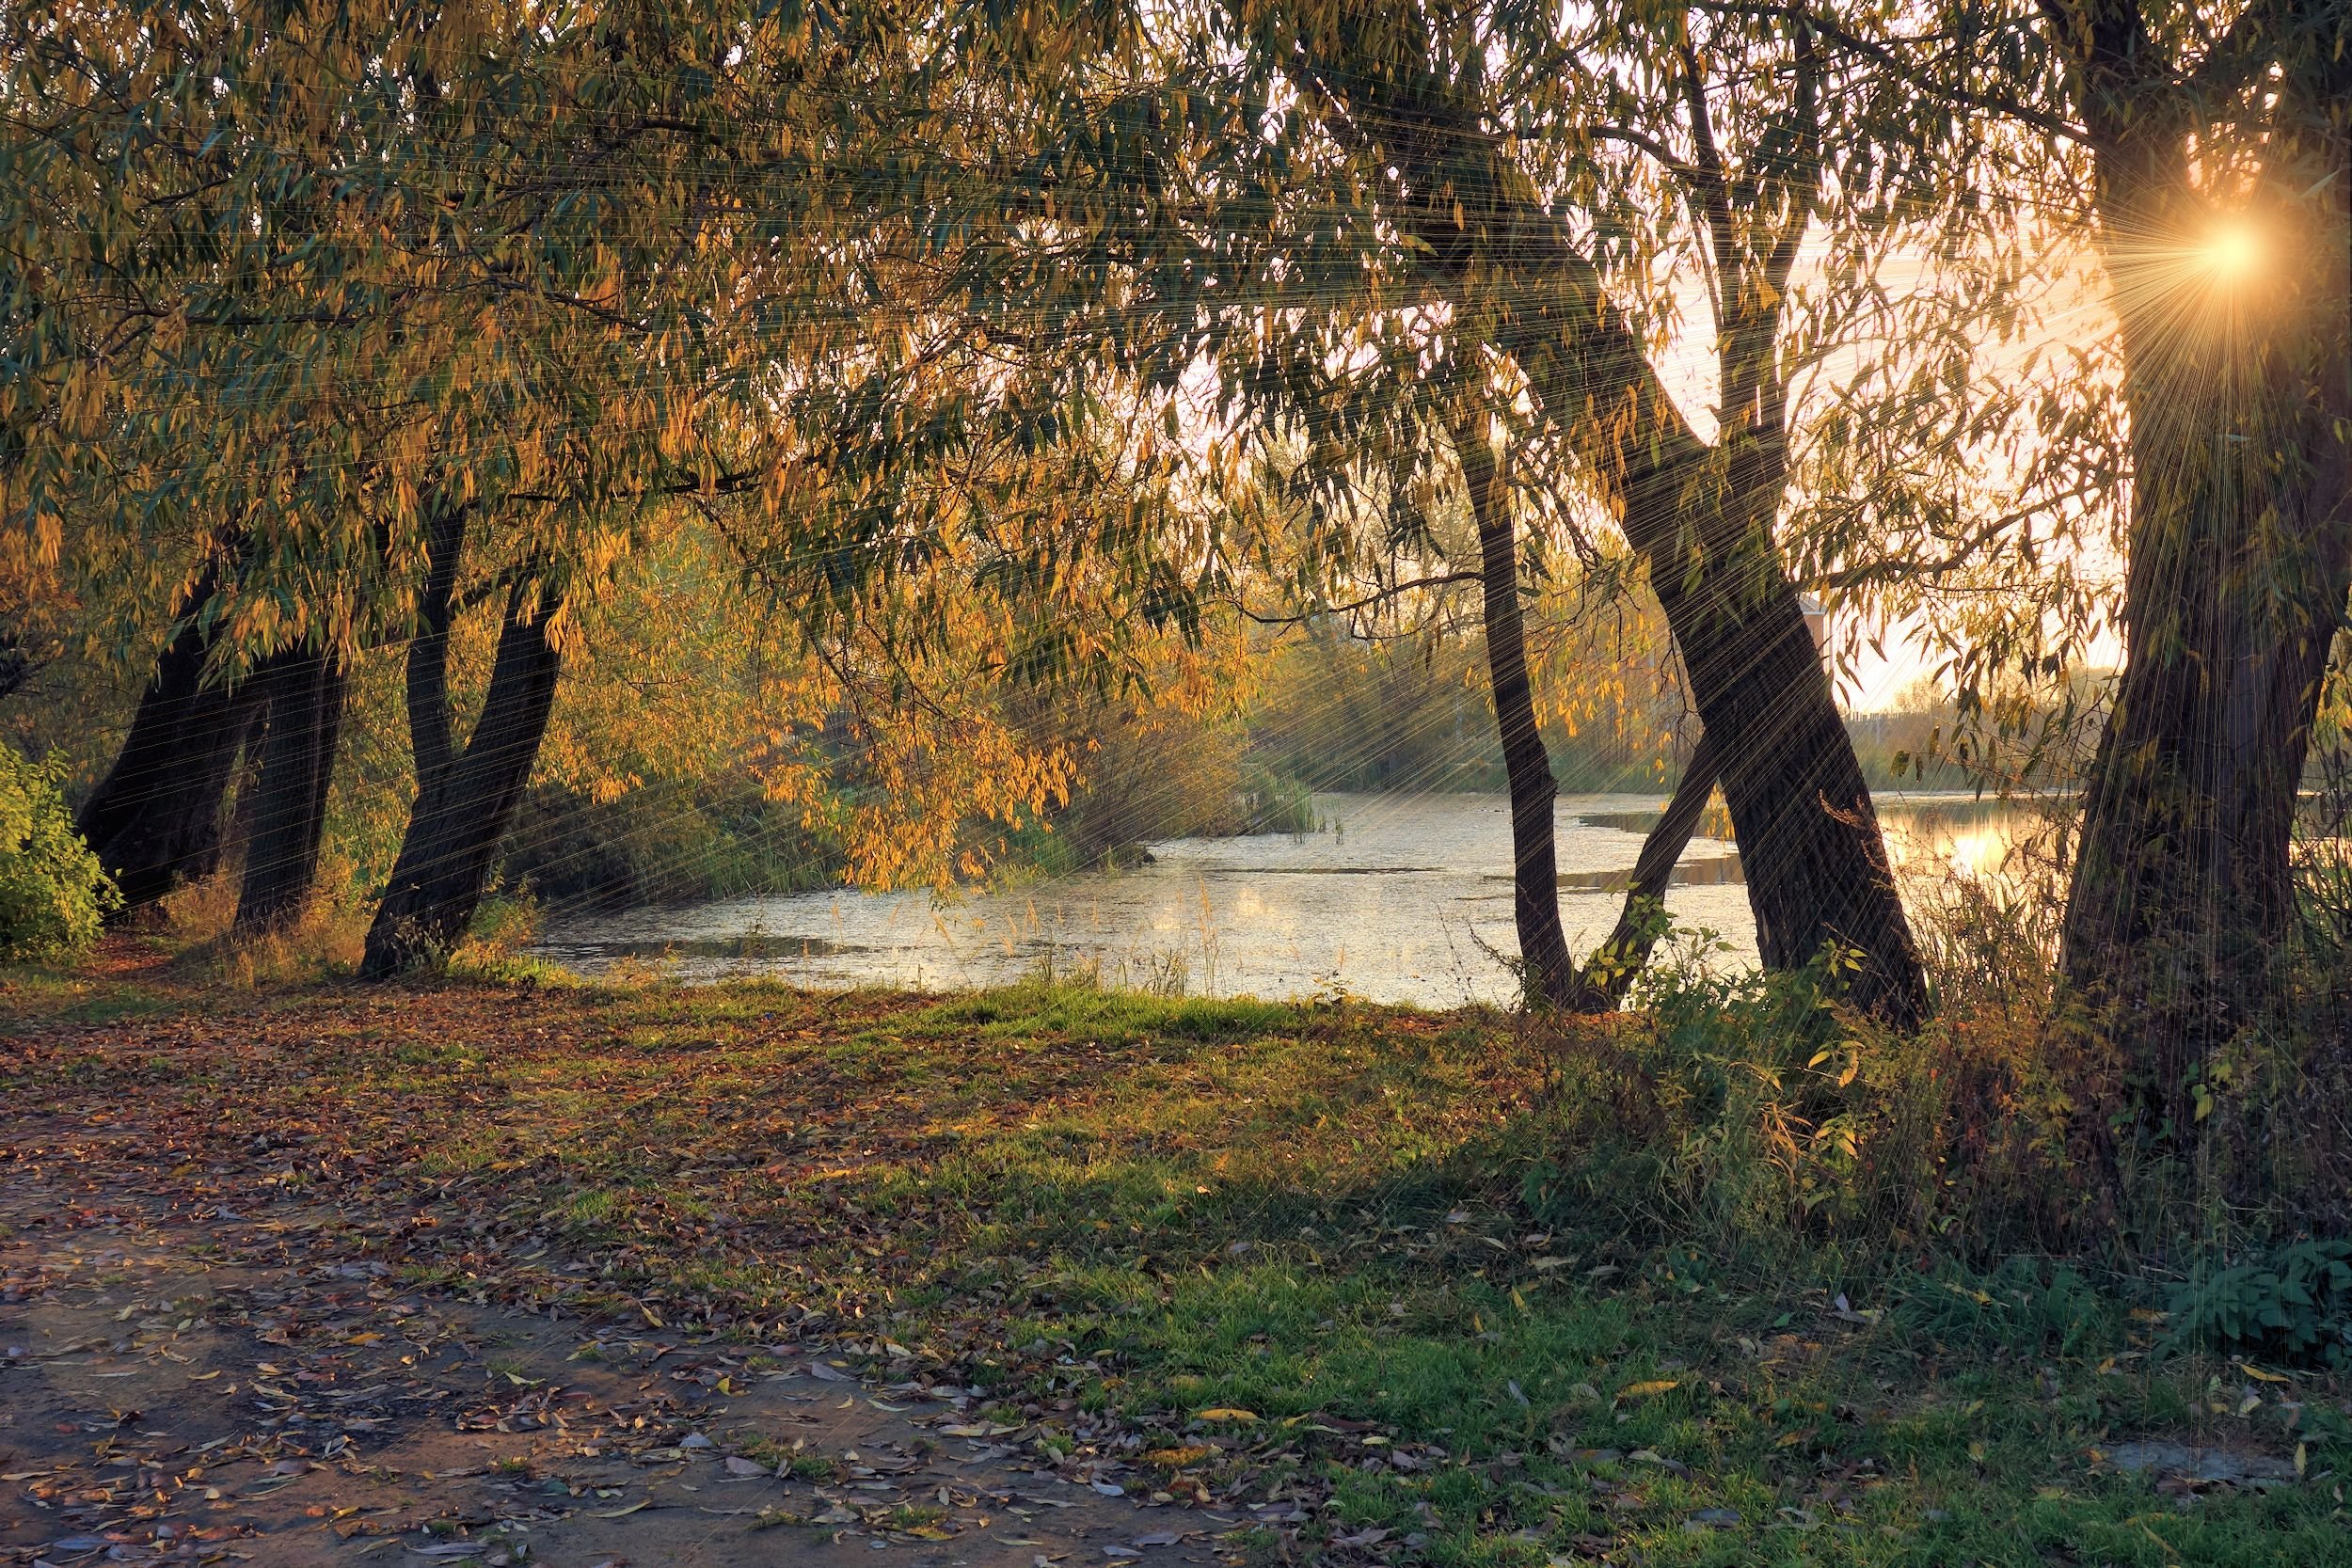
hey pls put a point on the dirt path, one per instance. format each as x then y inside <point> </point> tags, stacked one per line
<point>182,1385</point>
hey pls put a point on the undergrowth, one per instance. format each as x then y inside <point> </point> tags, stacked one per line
<point>1734,1276</point>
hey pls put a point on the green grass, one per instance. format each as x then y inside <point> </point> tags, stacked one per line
<point>1279,1242</point>
<point>36,995</point>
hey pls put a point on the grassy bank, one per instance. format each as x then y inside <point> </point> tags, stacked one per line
<point>1339,1258</point>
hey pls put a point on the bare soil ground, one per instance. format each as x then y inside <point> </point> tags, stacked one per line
<point>183,1384</point>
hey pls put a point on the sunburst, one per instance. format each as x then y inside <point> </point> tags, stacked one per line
<point>2231,251</point>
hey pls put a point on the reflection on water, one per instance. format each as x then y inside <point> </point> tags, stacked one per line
<point>1928,837</point>
<point>1691,870</point>
<point>1405,898</point>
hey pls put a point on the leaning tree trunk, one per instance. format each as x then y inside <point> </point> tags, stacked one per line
<point>303,690</point>
<point>1609,972</point>
<point>1810,848</point>
<point>1535,869</point>
<point>466,802</point>
<point>155,822</point>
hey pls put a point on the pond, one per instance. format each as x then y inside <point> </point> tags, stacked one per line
<point>1397,898</point>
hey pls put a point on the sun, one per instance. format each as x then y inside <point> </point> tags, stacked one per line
<point>2232,250</point>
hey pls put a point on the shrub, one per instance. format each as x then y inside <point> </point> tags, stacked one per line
<point>1738,1109</point>
<point>53,894</point>
<point>2292,1303</point>
<point>2030,1305</point>
<point>1275,804</point>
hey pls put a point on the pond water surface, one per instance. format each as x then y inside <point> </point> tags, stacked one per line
<point>1399,898</point>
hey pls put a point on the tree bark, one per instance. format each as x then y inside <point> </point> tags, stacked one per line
<point>466,802</point>
<point>1606,976</point>
<point>304,693</point>
<point>1551,972</point>
<point>155,822</point>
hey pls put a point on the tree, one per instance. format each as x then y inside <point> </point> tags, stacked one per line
<point>1534,864</point>
<point>1609,969</point>
<point>1700,515</point>
<point>2219,179</point>
<point>302,693</point>
<point>1340,261</point>
<point>2198,163</point>
<point>466,798</point>
<point>155,819</point>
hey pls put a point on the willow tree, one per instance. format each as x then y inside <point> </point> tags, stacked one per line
<point>473,296</point>
<point>99,255</point>
<point>2220,169</point>
<point>2196,159</point>
<point>1361,222</point>
<point>213,425</point>
<point>308,278</point>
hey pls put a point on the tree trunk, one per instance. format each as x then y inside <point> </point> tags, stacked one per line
<point>155,822</point>
<point>1534,866</point>
<point>304,692</point>
<point>466,802</point>
<point>1700,517</point>
<point>1609,974</point>
<point>2239,387</point>
<point>1810,848</point>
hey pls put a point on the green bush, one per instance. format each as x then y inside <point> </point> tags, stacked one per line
<point>53,894</point>
<point>1276,803</point>
<point>2293,1304</point>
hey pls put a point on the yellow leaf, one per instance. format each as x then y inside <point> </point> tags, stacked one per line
<point>1648,1390</point>
<point>2261,1376</point>
<point>1221,1414</point>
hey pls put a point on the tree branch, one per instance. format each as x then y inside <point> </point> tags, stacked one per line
<point>1395,589</point>
<point>1902,70</point>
